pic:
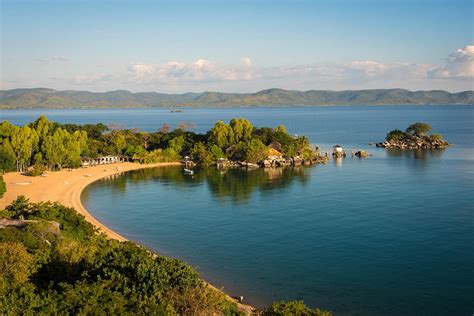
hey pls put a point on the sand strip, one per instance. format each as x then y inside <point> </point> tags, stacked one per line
<point>65,187</point>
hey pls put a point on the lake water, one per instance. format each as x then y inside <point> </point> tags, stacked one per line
<point>392,234</point>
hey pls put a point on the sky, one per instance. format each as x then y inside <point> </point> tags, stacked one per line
<point>237,46</point>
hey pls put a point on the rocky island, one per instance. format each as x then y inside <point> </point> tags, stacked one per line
<point>414,137</point>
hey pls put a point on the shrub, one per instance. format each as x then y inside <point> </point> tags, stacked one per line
<point>200,154</point>
<point>3,187</point>
<point>71,223</point>
<point>295,308</point>
<point>436,137</point>
<point>14,265</point>
<point>201,300</point>
<point>418,128</point>
<point>396,134</point>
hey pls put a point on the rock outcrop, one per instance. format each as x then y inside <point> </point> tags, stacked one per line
<point>273,162</point>
<point>415,142</point>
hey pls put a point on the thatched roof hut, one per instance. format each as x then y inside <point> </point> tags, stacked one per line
<point>274,154</point>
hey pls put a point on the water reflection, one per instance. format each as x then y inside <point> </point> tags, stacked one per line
<point>421,154</point>
<point>236,185</point>
<point>416,158</point>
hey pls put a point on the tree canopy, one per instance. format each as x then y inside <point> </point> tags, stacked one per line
<point>44,144</point>
<point>418,128</point>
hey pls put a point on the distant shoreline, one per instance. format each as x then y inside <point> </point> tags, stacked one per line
<point>225,107</point>
<point>66,186</point>
<point>41,98</point>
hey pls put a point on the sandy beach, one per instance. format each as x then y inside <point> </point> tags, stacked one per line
<point>65,187</point>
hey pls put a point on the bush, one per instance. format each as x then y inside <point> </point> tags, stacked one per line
<point>201,300</point>
<point>436,137</point>
<point>418,128</point>
<point>14,265</point>
<point>71,223</point>
<point>3,186</point>
<point>396,134</point>
<point>295,308</point>
<point>79,272</point>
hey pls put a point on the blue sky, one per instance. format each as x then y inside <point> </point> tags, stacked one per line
<point>237,46</point>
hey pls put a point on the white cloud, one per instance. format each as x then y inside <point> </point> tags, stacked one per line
<point>246,61</point>
<point>459,64</point>
<point>456,74</point>
<point>202,70</point>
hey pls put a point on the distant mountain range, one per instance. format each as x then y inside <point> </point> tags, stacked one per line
<point>48,98</point>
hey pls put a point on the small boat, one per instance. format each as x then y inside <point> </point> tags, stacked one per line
<point>188,171</point>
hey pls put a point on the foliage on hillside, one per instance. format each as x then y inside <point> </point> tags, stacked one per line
<point>76,270</point>
<point>48,145</point>
<point>294,308</point>
<point>81,272</point>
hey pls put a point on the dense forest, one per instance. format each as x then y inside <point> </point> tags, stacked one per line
<point>52,261</point>
<point>49,145</point>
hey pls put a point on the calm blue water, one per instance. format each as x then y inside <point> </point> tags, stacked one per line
<point>388,235</point>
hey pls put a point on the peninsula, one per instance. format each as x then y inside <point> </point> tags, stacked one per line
<point>53,250</point>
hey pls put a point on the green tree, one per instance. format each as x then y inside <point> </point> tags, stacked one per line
<point>64,149</point>
<point>436,137</point>
<point>200,153</point>
<point>420,129</point>
<point>242,129</point>
<point>23,142</point>
<point>7,156</point>
<point>7,130</point>
<point>281,129</point>
<point>3,187</point>
<point>221,135</point>
<point>15,264</point>
<point>43,128</point>
<point>396,134</point>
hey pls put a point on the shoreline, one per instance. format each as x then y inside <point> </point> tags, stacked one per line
<point>65,186</point>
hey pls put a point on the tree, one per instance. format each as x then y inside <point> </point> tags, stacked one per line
<point>15,265</point>
<point>242,129</point>
<point>436,137</point>
<point>281,129</point>
<point>7,130</point>
<point>23,142</point>
<point>256,151</point>
<point>200,153</point>
<point>222,135</point>
<point>64,149</point>
<point>396,134</point>
<point>418,129</point>
<point>7,156</point>
<point>177,144</point>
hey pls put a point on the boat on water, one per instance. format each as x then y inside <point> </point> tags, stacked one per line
<point>188,171</point>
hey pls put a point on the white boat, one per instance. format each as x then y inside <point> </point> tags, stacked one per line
<point>188,171</point>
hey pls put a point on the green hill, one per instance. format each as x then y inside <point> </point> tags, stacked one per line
<point>48,98</point>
